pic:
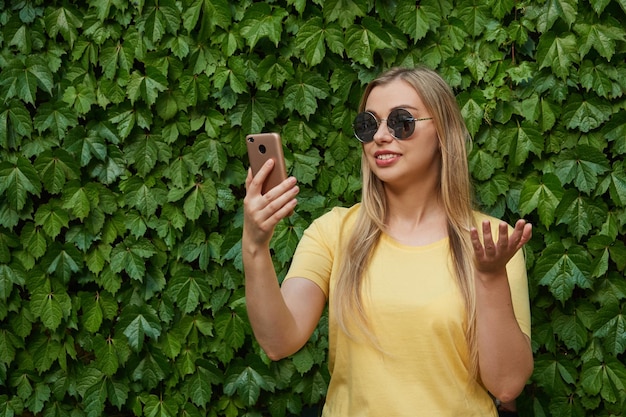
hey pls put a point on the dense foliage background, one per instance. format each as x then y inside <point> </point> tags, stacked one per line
<point>122,163</point>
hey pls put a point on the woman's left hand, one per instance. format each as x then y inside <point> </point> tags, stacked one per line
<point>491,257</point>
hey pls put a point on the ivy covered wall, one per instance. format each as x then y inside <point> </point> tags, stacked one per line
<point>122,163</point>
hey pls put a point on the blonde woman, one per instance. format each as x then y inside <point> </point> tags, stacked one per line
<point>428,299</point>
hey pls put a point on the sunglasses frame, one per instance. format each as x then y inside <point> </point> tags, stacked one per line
<point>391,130</point>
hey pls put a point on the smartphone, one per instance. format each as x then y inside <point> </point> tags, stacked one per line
<point>264,146</point>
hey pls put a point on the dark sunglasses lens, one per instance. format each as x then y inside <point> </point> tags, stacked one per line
<point>402,123</point>
<point>365,126</point>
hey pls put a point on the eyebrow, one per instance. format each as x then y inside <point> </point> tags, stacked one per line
<point>402,106</point>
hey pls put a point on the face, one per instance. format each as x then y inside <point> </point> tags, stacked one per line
<point>410,161</point>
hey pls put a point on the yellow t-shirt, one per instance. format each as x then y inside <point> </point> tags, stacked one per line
<point>416,313</point>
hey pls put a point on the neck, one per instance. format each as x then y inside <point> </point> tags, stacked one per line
<point>415,218</point>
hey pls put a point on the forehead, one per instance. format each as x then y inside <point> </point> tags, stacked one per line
<point>397,93</point>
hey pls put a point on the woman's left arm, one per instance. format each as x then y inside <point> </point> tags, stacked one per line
<point>504,353</point>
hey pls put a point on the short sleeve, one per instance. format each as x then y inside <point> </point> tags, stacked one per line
<point>315,254</point>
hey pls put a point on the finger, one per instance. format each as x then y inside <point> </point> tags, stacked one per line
<point>487,237</point>
<point>527,233</point>
<point>478,246</point>
<point>249,178</point>
<point>257,181</point>
<point>503,235</point>
<point>518,233</point>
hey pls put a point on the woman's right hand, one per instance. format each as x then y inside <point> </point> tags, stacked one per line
<point>262,212</point>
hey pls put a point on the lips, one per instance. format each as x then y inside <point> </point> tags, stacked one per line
<point>384,158</point>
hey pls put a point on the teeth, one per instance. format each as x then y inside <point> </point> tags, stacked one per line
<point>386,156</point>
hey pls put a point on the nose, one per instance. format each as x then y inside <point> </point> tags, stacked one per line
<point>383,134</point>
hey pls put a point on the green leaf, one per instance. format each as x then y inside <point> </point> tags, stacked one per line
<point>472,109</point>
<point>52,217</point>
<point>582,165</point>
<point>305,166</point>
<point>571,329</point>
<point>117,392</point>
<point>199,387</point>
<point>483,164</point>
<point>255,112</point>
<point>18,180</point>
<point>55,169</point>
<point>557,53</point>
<point>519,141</point>
<point>15,122</point>
<point>234,73</point>
<point>158,20</point>
<point>65,21</point>
<point>600,78</point>
<point>62,260</point>
<point>119,56</point>
<point>211,153</point>
<point>22,77</point>
<point>37,401</point>
<point>541,194</point>
<point>230,328</point>
<point>561,270</point>
<point>609,323</point>
<point>159,407</point>
<point>143,195</point>
<point>417,19</point>
<point>474,15</point>
<point>586,115</point>
<point>56,118</point>
<point>312,387</point>
<point>578,213</point>
<point>344,11</point>
<point>195,87</point>
<point>146,86</point>
<point>304,359</point>
<point>143,153</point>
<point>502,7</point>
<point>599,37</point>
<point>80,199</point>
<point>554,9</point>
<point>494,188</point>
<point>80,97</point>
<point>555,374</point>
<point>261,20</point>
<point>50,306</point>
<point>247,380</point>
<point>130,256</point>
<point>311,40</point>
<point>137,322</point>
<point>33,240</point>
<point>363,40</point>
<point>606,379</point>
<point>617,185</point>
<point>213,12</point>
<point>94,399</point>
<point>302,94</point>
<point>203,197</point>
<point>188,290</point>
<point>107,359</point>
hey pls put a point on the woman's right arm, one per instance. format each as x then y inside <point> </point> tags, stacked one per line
<point>284,318</point>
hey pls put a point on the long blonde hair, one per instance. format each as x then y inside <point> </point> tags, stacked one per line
<point>454,191</point>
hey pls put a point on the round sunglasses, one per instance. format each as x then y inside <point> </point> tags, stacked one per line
<point>400,122</point>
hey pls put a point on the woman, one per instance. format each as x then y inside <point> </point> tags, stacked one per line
<point>428,316</point>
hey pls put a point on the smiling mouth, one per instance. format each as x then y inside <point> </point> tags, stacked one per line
<point>386,156</point>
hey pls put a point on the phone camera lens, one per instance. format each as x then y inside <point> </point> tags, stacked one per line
<point>251,140</point>
<point>262,148</point>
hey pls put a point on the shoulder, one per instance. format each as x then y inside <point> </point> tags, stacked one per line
<point>338,217</point>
